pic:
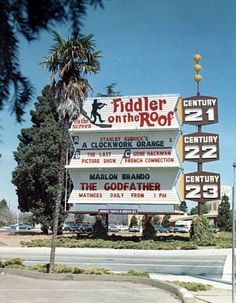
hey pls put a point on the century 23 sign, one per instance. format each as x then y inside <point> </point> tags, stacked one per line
<point>202,186</point>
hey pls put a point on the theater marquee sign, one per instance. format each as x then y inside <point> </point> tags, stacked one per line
<point>150,149</point>
<point>136,186</point>
<point>136,112</point>
<point>124,154</point>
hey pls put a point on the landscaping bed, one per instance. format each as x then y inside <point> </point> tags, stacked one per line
<point>158,243</point>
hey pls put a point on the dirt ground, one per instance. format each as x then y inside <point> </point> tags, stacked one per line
<point>14,239</point>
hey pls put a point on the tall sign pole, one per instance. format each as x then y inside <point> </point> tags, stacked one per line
<point>199,110</point>
<point>233,233</point>
<point>197,67</point>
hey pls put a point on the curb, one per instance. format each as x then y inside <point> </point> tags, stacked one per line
<point>182,293</point>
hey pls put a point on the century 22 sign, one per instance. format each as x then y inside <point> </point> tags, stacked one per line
<point>201,147</point>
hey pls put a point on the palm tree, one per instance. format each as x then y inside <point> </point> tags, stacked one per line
<point>110,92</point>
<point>69,62</point>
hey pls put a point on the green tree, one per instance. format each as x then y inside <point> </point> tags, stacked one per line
<point>133,221</point>
<point>4,213</point>
<point>201,231</point>
<point>37,157</point>
<point>27,18</point>
<point>109,91</point>
<point>156,220</point>
<point>204,209</point>
<point>194,210</point>
<point>148,230</point>
<point>3,205</point>
<point>165,221</point>
<point>183,206</point>
<point>69,63</point>
<point>99,230</point>
<point>143,221</point>
<point>26,218</point>
<point>224,218</point>
<point>79,218</point>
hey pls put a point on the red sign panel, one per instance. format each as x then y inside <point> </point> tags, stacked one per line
<point>202,186</point>
<point>200,110</point>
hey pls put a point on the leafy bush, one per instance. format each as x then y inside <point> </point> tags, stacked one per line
<point>97,271</point>
<point>99,230</point>
<point>148,231</point>
<point>38,268</point>
<point>202,233</point>
<point>192,286</point>
<point>13,263</point>
<point>59,268</point>
<point>218,242</point>
<point>136,273</point>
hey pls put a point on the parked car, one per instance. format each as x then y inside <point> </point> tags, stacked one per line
<point>182,227</point>
<point>5,228</point>
<point>113,228</point>
<point>21,226</point>
<point>70,226</point>
<point>123,227</point>
<point>134,228</point>
<point>85,228</point>
<point>160,229</point>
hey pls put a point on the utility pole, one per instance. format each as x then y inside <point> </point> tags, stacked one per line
<point>233,234</point>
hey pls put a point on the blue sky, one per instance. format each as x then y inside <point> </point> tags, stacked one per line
<point>148,48</point>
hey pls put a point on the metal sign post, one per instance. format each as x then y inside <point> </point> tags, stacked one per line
<point>233,233</point>
<point>200,147</point>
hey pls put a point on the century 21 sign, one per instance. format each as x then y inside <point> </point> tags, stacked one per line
<point>200,110</point>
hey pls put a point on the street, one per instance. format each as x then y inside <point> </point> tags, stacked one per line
<point>206,263</point>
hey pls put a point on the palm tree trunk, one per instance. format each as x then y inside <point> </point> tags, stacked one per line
<point>61,177</point>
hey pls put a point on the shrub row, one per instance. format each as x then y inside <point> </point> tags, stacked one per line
<point>17,263</point>
<point>73,242</point>
<point>97,243</point>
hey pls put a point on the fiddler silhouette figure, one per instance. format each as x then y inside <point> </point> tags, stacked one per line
<point>94,113</point>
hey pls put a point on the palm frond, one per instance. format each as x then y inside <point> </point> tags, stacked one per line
<point>71,97</point>
<point>69,62</point>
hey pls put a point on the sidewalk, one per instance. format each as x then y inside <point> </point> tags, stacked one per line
<point>214,295</point>
<point>220,293</point>
<point>21,289</point>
